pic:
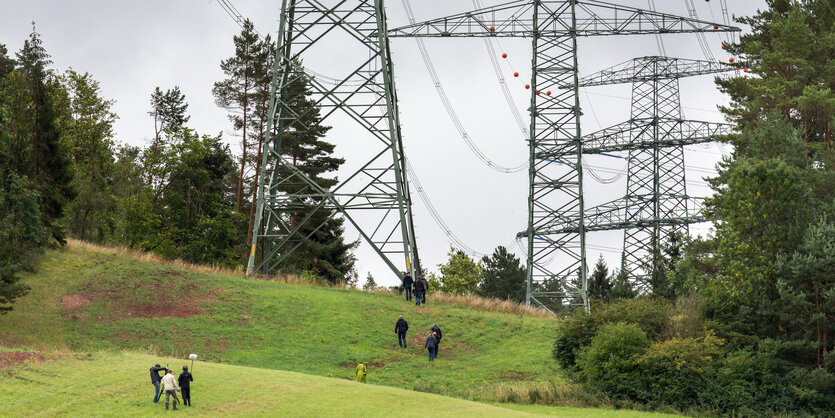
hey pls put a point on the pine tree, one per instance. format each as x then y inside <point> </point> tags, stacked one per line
<point>621,287</point>
<point>169,112</point>
<point>503,276</point>
<point>7,64</point>
<point>325,253</point>
<point>40,155</point>
<point>370,284</point>
<point>237,93</point>
<point>599,282</point>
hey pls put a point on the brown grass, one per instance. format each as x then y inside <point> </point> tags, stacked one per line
<point>470,300</point>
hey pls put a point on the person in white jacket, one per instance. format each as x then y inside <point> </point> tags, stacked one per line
<point>170,386</point>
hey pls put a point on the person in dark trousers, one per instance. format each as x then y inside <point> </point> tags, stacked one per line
<point>407,285</point>
<point>155,379</point>
<point>185,380</point>
<point>425,285</point>
<point>400,329</point>
<point>420,290</point>
<point>438,335</point>
<point>431,344</point>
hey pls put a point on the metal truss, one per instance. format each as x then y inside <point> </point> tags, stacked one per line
<point>656,204</point>
<point>556,257</point>
<point>374,199</point>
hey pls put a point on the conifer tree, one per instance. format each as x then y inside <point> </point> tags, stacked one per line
<point>503,276</point>
<point>599,282</point>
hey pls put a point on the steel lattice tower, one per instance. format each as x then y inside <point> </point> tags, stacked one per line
<point>656,203</point>
<point>556,224</point>
<point>375,198</point>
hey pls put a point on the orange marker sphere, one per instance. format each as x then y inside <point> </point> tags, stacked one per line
<point>715,26</point>
<point>492,29</point>
<point>548,92</point>
<point>516,74</point>
<point>746,70</point>
<point>537,93</point>
<point>731,59</point>
<point>504,55</point>
<point>527,86</point>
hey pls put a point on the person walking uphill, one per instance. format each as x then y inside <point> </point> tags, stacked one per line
<point>438,335</point>
<point>421,286</point>
<point>361,372</point>
<point>431,344</point>
<point>169,385</point>
<point>155,379</point>
<point>407,285</point>
<point>400,329</point>
<point>185,380</point>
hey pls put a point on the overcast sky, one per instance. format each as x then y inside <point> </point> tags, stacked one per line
<point>130,47</point>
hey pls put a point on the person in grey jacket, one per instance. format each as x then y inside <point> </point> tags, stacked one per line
<point>431,344</point>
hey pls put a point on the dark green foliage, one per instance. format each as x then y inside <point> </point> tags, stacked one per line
<point>600,285</point>
<point>370,284</point>
<point>503,276</point>
<point>7,64</point>
<point>325,252</point>
<point>622,288</point>
<point>22,236</point>
<point>460,274</point>
<point>609,363</point>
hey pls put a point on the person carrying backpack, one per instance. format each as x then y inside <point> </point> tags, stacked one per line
<point>400,329</point>
<point>420,289</point>
<point>438,336</point>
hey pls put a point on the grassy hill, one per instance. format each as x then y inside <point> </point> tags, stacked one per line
<point>116,384</point>
<point>90,299</point>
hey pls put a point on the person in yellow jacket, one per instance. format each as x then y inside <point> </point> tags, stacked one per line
<point>361,371</point>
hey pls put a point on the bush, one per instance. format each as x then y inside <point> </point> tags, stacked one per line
<point>609,364</point>
<point>575,331</point>
<point>674,372</point>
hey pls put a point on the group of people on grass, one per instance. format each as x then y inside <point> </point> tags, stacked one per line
<point>420,287</point>
<point>433,341</point>
<point>170,385</point>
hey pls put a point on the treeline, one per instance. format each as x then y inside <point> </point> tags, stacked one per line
<point>742,322</point>
<point>185,194</point>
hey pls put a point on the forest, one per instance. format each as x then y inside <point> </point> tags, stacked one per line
<point>740,322</point>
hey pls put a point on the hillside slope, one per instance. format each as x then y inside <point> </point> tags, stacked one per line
<point>117,384</point>
<point>83,299</point>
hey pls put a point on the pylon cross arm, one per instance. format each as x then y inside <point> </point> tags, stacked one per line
<point>671,132</point>
<point>593,18</point>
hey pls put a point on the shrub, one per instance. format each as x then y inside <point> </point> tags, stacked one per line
<point>673,372</point>
<point>609,364</point>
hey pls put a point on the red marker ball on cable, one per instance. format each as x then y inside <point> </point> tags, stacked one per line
<point>516,74</point>
<point>504,55</point>
<point>548,92</point>
<point>731,59</point>
<point>492,29</point>
<point>527,86</point>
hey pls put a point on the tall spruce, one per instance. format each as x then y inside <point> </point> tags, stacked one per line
<point>40,156</point>
<point>325,253</point>
<point>599,283</point>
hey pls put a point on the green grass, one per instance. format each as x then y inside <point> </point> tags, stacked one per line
<point>117,384</point>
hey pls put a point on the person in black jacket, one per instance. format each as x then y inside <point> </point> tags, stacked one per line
<point>155,379</point>
<point>438,336</point>
<point>420,290</point>
<point>400,329</point>
<point>185,385</point>
<point>407,285</point>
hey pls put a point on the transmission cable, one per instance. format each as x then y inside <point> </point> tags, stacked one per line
<point>456,121</point>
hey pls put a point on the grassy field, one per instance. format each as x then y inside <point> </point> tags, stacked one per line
<point>117,384</point>
<point>86,300</point>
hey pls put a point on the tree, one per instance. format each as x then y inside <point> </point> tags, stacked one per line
<point>460,274</point>
<point>22,236</point>
<point>599,284</point>
<point>370,284</point>
<point>28,94</point>
<point>238,92</point>
<point>324,251</point>
<point>87,135</point>
<point>7,64</point>
<point>503,276</point>
<point>169,112</point>
<point>621,287</point>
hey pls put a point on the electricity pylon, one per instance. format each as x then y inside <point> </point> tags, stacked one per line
<point>656,204</point>
<point>555,194</point>
<point>374,198</point>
